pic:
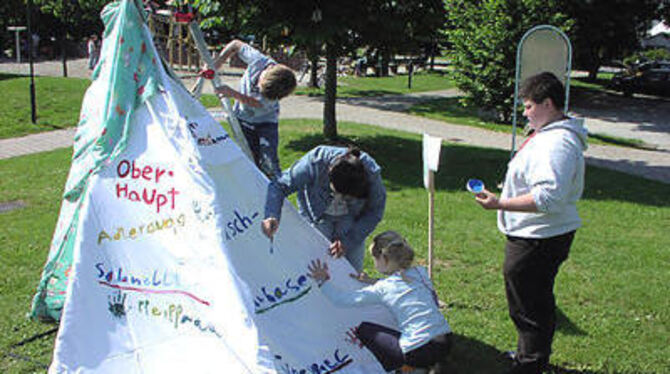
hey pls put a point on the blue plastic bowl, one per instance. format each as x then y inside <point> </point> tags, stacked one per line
<point>475,185</point>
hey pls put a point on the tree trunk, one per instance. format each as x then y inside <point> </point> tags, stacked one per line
<point>593,72</point>
<point>385,58</point>
<point>313,70</point>
<point>63,42</point>
<point>329,119</point>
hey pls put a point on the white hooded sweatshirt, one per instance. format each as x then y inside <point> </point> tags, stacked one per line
<point>550,167</point>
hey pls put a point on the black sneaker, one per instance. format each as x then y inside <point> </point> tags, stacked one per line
<point>518,368</point>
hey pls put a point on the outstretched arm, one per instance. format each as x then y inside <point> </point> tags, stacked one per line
<point>226,91</point>
<point>230,48</point>
<point>363,277</point>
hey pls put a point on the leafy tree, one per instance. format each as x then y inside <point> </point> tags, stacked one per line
<point>224,20</point>
<point>73,19</point>
<point>608,29</point>
<point>387,26</point>
<point>312,25</point>
<point>392,27</point>
<point>484,35</point>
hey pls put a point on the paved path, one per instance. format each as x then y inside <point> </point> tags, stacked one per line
<point>649,164</point>
<point>646,118</point>
<point>384,112</point>
<point>77,68</point>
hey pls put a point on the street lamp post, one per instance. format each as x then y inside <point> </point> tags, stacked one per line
<point>33,109</point>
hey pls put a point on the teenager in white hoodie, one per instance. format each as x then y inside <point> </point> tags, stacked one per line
<point>537,212</point>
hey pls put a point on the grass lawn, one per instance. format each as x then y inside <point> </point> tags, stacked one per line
<point>600,84</point>
<point>352,86</point>
<point>58,101</point>
<point>614,311</point>
<point>450,110</point>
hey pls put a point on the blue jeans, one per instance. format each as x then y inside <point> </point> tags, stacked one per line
<point>355,255</point>
<point>263,139</point>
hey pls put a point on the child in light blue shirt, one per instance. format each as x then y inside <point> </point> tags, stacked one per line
<point>424,336</point>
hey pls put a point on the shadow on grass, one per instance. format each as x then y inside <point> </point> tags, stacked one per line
<point>566,326</point>
<point>448,106</point>
<point>469,356</point>
<point>5,76</point>
<point>554,369</point>
<point>401,162</point>
<point>28,358</point>
<point>632,143</point>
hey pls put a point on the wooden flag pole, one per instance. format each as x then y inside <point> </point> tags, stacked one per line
<point>431,220</point>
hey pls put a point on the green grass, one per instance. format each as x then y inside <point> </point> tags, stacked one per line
<point>452,111</point>
<point>210,101</point>
<point>348,87</point>
<point>614,311</point>
<point>58,101</point>
<point>600,84</point>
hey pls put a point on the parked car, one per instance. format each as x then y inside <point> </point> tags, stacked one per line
<point>652,77</point>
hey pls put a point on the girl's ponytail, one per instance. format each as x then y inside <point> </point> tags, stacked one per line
<point>394,247</point>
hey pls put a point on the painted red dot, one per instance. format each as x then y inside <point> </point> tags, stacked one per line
<point>170,173</point>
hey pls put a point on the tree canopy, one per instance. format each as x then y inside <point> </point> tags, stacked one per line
<point>484,35</point>
<point>606,30</point>
<point>385,26</point>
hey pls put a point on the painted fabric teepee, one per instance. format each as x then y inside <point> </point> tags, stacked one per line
<point>158,263</point>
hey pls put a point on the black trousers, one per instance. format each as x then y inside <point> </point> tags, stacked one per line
<point>530,269</point>
<point>383,343</point>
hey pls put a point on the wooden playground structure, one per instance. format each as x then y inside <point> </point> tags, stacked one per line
<point>173,40</point>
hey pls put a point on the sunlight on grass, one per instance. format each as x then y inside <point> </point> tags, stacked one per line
<point>611,292</point>
<point>58,101</point>
<point>351,86</point>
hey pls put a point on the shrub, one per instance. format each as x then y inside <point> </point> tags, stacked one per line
<point>484,35</point>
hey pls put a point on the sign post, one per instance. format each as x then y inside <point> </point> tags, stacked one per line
<point>17,31</point>
<point>431,161</point>
<point>542,48</point>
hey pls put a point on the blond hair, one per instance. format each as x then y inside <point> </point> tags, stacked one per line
<point>278,82</point>
<point>394,247</point>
